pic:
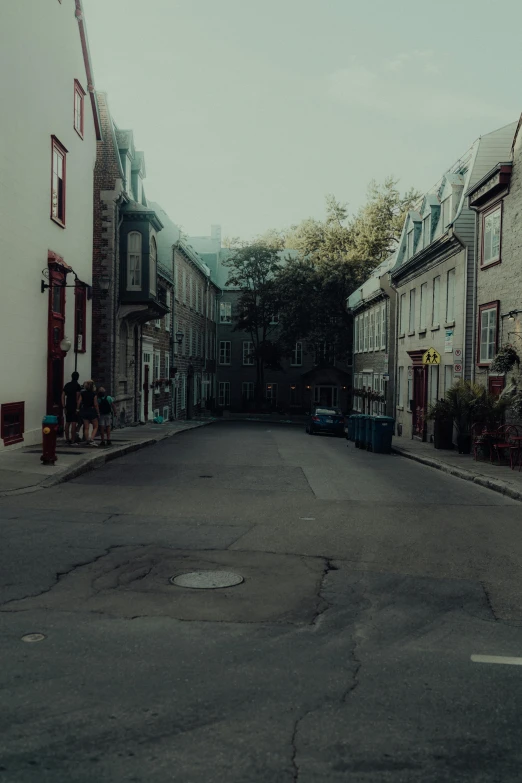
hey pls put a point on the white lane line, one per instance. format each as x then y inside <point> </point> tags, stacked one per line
<point>496,659</point>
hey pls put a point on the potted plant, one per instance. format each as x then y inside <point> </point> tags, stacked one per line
<point>505,360</point>
<point>442,416</point>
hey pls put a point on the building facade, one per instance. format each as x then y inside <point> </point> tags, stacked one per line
<point>497,201</point>
<point>373,310</point>
<point>310,375</point>
<point>434,281</point>
<point>127,293</point>
<point>158,340</point>
<point>46,174</point>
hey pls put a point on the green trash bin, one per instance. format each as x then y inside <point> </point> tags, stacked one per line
<point>368,436</point>
<point>350,428</point>
<point>359,430</point>
<point>382,433</point>
<point>362,431</point>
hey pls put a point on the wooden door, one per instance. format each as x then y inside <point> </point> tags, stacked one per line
<point>420,402</point>
<point>55,334</point>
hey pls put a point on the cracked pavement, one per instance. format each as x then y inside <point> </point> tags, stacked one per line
<point>345,654</point>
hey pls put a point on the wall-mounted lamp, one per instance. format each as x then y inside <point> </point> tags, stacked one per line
<point>104,281</point>
<point>179,337</point>
<point>511,315</point>
<point>65,345</point>
<point>308,387</point>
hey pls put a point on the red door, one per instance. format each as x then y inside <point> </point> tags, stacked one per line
<point>420,402</point>
<point>55,334</point>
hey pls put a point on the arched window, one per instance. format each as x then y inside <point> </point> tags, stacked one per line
<point>124,347</point>
<point>153,260</point>
<point>134,261</point>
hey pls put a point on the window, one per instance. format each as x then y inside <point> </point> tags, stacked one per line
<point>356,334</point>
<point>248,353</point>
<point>412,311</point>
<point>410,243</point>
<point>157,323</point>
<point>79,92</point>
<point>448,377</point>
<point>168,316</point>
<point>383,327</point>
<point>433,383</point>
<point>435,314</point>
<point>371,320</point>
<point>183,393</point>
<point>224,394</point>
<point>377,343</point>
<point>366,331</point>
<point>297,355</point>
<point>488,328</point>
<point>491,227</point>
<point>426,230</point>
<point>294,395</point>
<point>166,413</point>
<point>271,392</point>
<point>128,175</point>
<point>58,182</point>
<point>247,390</point>
<point>400,382</point>
<point>402,314</point>
<point>450,296</point>
<point>361,334</point>
<point>224,352</point>
<point>446,213</point>
<point>12,422</point>
<point>197,298</point>
<point>80,318</point>
<point>124,338</point>
<point>423,306</point>
<point>167,369</point>
<point>225,312</point>
<point>156,370</point>
<point>184,285</point>
<point>134,261</point>
<point>409,398</point>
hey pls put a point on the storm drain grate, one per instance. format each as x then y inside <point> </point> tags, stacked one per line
<point>207,580</point>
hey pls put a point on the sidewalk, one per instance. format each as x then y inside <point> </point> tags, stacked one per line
<point>21,471</point>
<point>496,477</point>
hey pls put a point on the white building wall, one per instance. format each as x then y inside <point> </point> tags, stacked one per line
<point>40,57</point>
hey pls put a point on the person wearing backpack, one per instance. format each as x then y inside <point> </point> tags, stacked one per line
<point>107,407</point>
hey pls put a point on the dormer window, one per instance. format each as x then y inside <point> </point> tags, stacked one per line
<point>139,188</point>
<point>128,175</point>
<point>426,230</point>
<point>134,261</point>
<point>446,213</point>
<point>491,226</point>
<point>410,243</point>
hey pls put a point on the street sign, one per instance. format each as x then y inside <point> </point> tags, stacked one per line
<point>431,356</point>
<point>458,353</point>
<point>457,368</point>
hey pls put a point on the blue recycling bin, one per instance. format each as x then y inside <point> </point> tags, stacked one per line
<point>356,427</point>
<point>350,427</point>
<point>368,435</point>
<point>382,432</point>
<point>361,431</point>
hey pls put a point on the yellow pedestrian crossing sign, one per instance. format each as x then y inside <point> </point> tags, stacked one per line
<point>431,356</point>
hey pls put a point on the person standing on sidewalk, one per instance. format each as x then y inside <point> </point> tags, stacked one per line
<point>106,407</point>
<point>89,411</point>
<point>70,405</point>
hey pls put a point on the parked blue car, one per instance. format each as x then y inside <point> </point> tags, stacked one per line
<point>325,419</point>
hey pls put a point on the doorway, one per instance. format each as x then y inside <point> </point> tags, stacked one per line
<point>420,399</point>
<point>327,396</point>
<point>146,364</point>
<point>55,334</point>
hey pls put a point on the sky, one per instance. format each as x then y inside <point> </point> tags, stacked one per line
<point>250,112</point>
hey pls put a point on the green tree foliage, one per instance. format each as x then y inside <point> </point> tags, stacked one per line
<point>253,271</point>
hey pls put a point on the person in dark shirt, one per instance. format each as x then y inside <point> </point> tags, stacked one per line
<point>106,407</point>
<point>89,411</point>
<point>70,404</point>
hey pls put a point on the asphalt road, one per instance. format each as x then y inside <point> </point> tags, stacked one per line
<point>370,581</point>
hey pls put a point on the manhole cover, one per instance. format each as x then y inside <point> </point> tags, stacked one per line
<point>207,580</point>
<point>33,637</point>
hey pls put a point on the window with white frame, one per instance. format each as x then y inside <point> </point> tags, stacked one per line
<point>184,285</point>
<point>383,327</point>
<point>166,413</point>
<point>450,296</point>
<point>224,394</point>
<point>156,370</point>
<point>225,312</point>
<point>426,230</point>
<point>423,307</point>
<point>167,369</point>
<point>248,353</point>
<point>247,390</point>
<point>377,344</point>
<point>361,334</point>
<point>491,228</point>
<point>356,334</point>
<point>446,213</point>
<point>371,329</point>
<point>410,243</point>
<point>402,316</point>
<point>433,383</point>
<point>297,355</point>
<point>411,325</point>
<point>435,313</point>
<point>366,331</point>
<point>134,261</point>
<point>153,265</point>
<point>400,384</point>
<point>224,352</point>
<point>157,323</point>
<point>488,327</point>
<point>448,377</point>
<point>409,395</point>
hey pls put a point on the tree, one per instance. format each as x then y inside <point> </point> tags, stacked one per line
<point>253,271</point>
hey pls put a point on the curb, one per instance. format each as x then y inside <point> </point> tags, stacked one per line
<point>465,475</point>
<point>97,461</point>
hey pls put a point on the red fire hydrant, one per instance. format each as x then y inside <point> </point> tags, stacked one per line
<point>49,432</point>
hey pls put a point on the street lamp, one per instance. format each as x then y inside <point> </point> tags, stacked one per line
<point>179,337</point>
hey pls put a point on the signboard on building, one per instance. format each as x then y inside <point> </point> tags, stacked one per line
<point>448,341</point>
<point>458,353</point>
<point>457,368</point>
<point>431,356</point>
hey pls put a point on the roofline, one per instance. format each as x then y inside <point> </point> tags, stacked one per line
<point>487,176</point>
<point>80,17</point>
<point>193,256</point>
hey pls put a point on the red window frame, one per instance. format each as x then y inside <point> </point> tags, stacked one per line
<point>80,317</point>
<point>484,215</point>
<point>8,409</point>
<point>79,93</point>
<point>488,306</point>
<point>58,148</point>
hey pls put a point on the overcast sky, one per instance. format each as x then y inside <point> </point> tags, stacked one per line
<point>250,111</point>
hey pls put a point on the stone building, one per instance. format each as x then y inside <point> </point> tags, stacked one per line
<point>497,201</point>
<point>373,309</point>
<point>158,385</point>
<point>49,129</point>
<point>127,294</point>
<point>310,375</point>
<point>434,278</point>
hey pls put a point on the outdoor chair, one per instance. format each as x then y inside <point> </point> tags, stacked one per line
<point>504,443</point>
<point>482,442</point>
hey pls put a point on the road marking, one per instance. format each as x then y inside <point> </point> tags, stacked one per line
<point>496,659</point>
<point>307,519</point>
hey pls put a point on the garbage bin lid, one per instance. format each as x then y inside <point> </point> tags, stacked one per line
<point>384,418</point>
